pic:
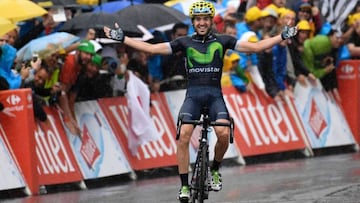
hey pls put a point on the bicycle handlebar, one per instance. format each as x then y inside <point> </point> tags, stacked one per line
<point>212,123</point>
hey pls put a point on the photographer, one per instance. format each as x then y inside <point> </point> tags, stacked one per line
<point>38,91</point>
<point>7,58</point>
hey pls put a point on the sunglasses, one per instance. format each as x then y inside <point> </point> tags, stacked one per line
<point>305,10</point>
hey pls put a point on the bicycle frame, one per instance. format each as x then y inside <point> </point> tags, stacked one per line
<point>200,180</point>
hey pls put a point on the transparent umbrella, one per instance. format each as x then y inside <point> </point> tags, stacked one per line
<point>57,39</point>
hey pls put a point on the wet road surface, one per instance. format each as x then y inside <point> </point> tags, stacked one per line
<point>319,179</point>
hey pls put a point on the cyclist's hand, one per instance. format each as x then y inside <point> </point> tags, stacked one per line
<point>288,32</point>
<point>115,34</point>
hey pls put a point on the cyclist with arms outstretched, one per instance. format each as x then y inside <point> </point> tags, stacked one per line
<point>204,52</point>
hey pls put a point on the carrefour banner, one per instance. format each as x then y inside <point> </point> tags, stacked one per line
<point>324,120</point>
<point>97,151</point>
<point>17,122</point>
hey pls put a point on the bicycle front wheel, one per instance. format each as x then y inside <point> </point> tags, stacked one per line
<point>202,195</point>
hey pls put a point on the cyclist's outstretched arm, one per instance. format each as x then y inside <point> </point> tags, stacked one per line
<point>117,34</point>
<point>248,47</point>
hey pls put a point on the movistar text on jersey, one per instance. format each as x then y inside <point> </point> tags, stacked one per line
<point>204,70</point>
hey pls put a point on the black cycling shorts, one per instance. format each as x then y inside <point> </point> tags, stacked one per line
<point>198,97</point>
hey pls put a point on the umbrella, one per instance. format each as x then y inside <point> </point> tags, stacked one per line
<point>93,20</point>
<point>184,6</point>
<point>57,3</point>
<point>19,10</point>
<point>114,6</point>
<point>6,26</point>
<point>54,40</point>
<point>149,15</point>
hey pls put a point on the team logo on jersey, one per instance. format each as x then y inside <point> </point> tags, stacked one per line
<point>203,58</point>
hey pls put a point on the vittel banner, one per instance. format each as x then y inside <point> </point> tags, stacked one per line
<point>262,125</point>
<point>153,154</point>
<point>56,161</point>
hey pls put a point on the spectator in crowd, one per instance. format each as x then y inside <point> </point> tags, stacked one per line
<point>38,91</point>
<point>306,11</point>
<point>251,65</point>
<point>38,27</point>
<point>154,63</point>
<point>276,5</point>
<point>297,72</point>
<point>285,16</point>
<point>7,58</point>
<point>138,65</point>
<point>13,36</point>
<point>269,18</point>
<point>120,75</point>
<point>51,58</point>
<point>229,16</point>
<point>267,73</point>
<point>72,67</point>
<point>354,42</point>
<point>230,29</point>
<point>233,74</point>
<point>320,54</point>
<point>252,22</point>
<point>174,65</point>
<point>279,67</point>
<point>90,84</point>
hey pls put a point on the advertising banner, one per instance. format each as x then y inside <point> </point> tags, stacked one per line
<point>323,119</point>
<point>10,175</point>
<point>17,120</point>
<point>262,125</point>
<point>348,76</point>
<point>56,161</point>
<point>154,154</point>
<point>97,151</point>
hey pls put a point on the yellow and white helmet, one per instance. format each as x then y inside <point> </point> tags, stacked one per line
<point>202,8</point>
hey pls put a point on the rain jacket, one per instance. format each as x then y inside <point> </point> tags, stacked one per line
<point>315,50</point>
<point>279,65</point>
<point>6,61</point>
<point>235,77</point>
<point>241,29</point>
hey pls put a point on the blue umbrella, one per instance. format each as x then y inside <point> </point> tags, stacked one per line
<point>114,6</point>
<point>57,39</point>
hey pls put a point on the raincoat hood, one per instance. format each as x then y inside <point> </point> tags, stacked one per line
<point>6,61</point>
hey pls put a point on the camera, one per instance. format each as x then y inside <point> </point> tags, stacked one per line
<point>35,57</point>
<point>327,61</point>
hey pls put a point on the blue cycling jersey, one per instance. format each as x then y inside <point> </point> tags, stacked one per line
<point>204,62</point>
<point>204,57</point>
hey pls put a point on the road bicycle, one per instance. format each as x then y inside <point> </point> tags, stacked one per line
<point>200,185</point>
